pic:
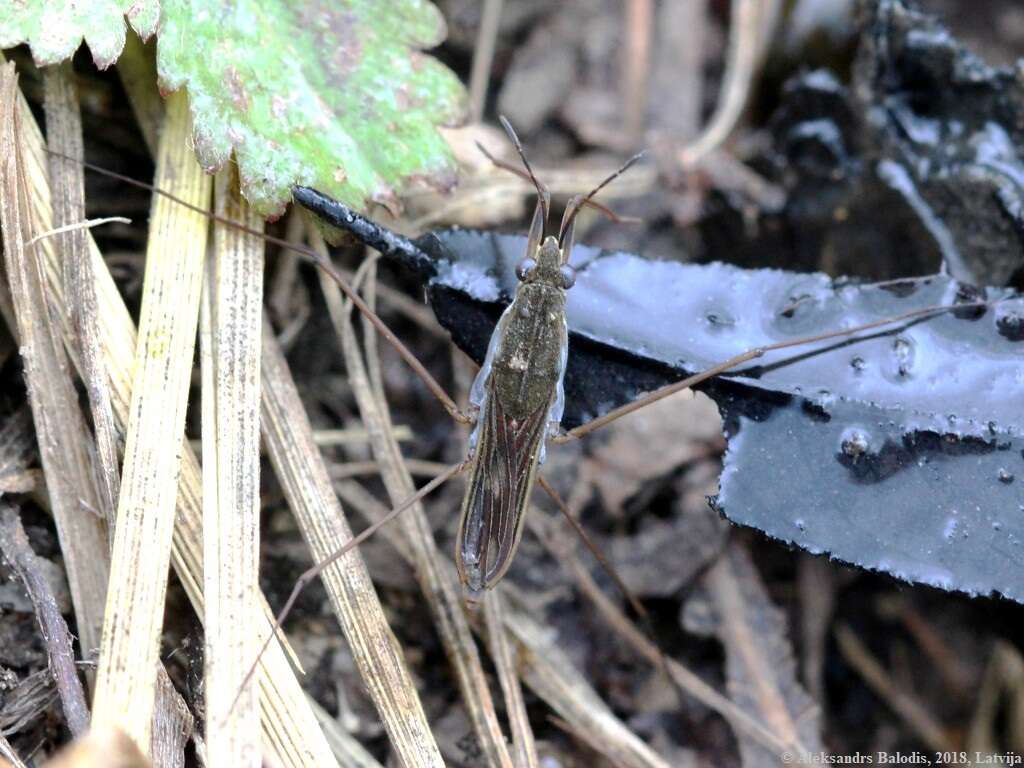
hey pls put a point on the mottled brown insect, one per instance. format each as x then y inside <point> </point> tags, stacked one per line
<point>518,395</point>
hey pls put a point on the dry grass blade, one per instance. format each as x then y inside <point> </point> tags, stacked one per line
<point>303,476</point>
<point>689,682</point>
<point>437,585</point>
<point>524,750</point>
<point>552,676</point>
<point>8,753</point>
<point>173,725</point>
<point>539,662</point>
<point>231,322</point>
<point>126,675</point>
<point>746,46</point>
<point>137,68</point>
<point>16,549</point>
<point>64,134</point>
<point>760,665</point>
<point>290,729</point>
<point>902,702</point>
<point>347,749</point>
<point>60,428</point>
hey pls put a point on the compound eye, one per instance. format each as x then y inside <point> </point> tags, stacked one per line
<point>524,268</point>
<point>568,276</point>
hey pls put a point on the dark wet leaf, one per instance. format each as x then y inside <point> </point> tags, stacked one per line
<point>917,161</point>
<point>947,132</point>
<point>899,450</point>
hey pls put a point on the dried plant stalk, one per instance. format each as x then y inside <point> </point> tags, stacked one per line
<point>437,585</point>
<point>126,675</point>
<point>524,750</point>
<point>60,429</point>
<point>539,662</point>
<point>551,675</point>
<point>743,722</point>
<point>289,726</point>
<point>303,476</point>
<point>232,307</point>
<point>15,547</point>
<point>64,135</point>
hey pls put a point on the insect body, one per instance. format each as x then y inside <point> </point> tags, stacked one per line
<point>518,392</point>
<point>520,399</point>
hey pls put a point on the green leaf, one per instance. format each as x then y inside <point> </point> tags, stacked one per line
<point>333,95</point>
<point>54,29</point>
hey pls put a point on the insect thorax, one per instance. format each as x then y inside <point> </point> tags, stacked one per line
<point>528,366</point>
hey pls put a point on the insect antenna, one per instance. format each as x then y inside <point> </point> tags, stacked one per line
<point>543,195</point>
<point>542,191</point>
<point>588,199</point>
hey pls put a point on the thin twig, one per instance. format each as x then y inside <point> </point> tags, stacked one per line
<point>54,630</point>
<point>483,55</point>
<point>902,702</point>
<point>630,634</point>
<point>524,750</point>
<point>435,583</point>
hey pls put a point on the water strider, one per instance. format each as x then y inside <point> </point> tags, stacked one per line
<point>519,397</point>
<point>518,393</point>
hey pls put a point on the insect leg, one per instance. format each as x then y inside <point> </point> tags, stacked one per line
<point>321,260</point>
<point>315,570</point>
<point>683,677</point>
<point>751,354</point>
<point>608,568</point>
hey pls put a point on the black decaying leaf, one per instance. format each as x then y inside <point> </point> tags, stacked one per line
<point>896,450</point>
